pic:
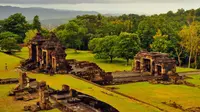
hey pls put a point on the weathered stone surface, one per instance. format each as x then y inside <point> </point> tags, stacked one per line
<point>155,63</point>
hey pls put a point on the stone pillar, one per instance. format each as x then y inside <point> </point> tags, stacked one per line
<point>47,58</point>
<point>30,51</point>
<point>135,61</point>
<point>43,94</point>
<point>142,65</point>
<point>54,63</point>
<point>37,53</point>
<point>22,80</point>
<point>151,66</point>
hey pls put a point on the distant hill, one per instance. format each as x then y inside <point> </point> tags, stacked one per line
<point>47,16</point>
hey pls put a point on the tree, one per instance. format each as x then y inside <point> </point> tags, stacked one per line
<point>190,40</point>
<point>105,47</point>
<point>170,13</point>
<point>16,24</point>
<point>29,35</point>
<point>5,35</point>
<point>36,23</point>
<point>160,43</point>
<point>1,25</point>
<point>72,35</point>
<point>8,45</point>
<point>146,31</point>
<point>128,45</point>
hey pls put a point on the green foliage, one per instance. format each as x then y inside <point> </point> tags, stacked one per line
<point>146,31</point>
<point>160,43</point>
<point>190,40</point>
<point>105,47</point>
<point>128,45</point>
<point>5,35</point>
<point>1,25</point>
<point>9,45</point>
<point>29,35</point>
<point>72,35</point>
<point>36,23</point>
<point>17,24</point>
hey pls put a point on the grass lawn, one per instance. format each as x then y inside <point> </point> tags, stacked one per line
<point>181,69</point>
<point>155,94</point>
<point>24,53</point>
<point>195,79</point>
<point>11,61</point>
<point>117,65</point>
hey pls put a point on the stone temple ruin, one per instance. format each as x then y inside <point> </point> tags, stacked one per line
<point>155,63</point>
<point>149,66</point>
<point>46,55</point>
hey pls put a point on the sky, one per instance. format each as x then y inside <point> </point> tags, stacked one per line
<point>109,6</point>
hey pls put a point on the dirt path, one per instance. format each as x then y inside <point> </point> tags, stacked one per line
<point>189,73</point>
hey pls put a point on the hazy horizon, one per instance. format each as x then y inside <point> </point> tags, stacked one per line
<point>110,6</point>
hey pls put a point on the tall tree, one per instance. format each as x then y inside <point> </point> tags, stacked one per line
<point>72,35</point>
<point>16,24</point>
<point>160,43</point>
<point>36,23</point>
<point>8,45</point>
<point>128,45</point>
<point>190,40</point>
<point>146,31</point>
<point>105,48</point>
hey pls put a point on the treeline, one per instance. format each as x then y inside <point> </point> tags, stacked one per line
<point>14,30</point>
<point>119,36</point>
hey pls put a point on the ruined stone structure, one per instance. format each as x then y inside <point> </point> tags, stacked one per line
<point>90,71</point>
<point>46,54</point>
<point>26,89</point>
<point>155,63</point>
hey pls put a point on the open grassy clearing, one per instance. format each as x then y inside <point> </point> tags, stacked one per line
<point>117,65</point>
<point>155,94</point>
<point>123,104</point>
<point>24,53</point>
<point>11,61</point>
<point>195,79</point>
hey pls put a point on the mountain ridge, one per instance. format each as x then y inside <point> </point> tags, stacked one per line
<point>44,13</point>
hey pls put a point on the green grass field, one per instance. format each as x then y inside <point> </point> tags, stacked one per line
<point>154,94</point>
<point>24,53</point>
<point>195,79</point>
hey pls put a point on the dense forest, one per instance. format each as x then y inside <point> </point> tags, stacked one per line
<point>117,36</point>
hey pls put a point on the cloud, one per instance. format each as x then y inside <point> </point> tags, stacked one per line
<point>90,1</point>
